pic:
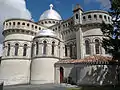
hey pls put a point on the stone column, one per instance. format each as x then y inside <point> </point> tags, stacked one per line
<point>34,50</point>
<point>40,49</point>
<point>20,51</point>
<point>49,49</point>
<point>5,51</point>
<point>12,50</point>
<point>62,50</point>
<point>93,48</point>
<point>93,52</point>
<point>68,51</point>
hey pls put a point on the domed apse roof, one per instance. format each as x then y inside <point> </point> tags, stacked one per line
<point>46,32</point>
<point>50,14</point>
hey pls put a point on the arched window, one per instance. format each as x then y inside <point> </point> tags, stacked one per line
<point>44,47</point>
<point>105,17</point>
<point>97,46</point>
<point>28,24</point>
<point>13,23</point>
<point>100,16</point>
<point>53,47</point>
<point>18,23</point>
<point>37,48</point>
<point>23,23</point>
<point>25,50</point>
<point>87,46</point>
<point>84,18</point>
<point>89,17</point>
<point>66,50</point>
<point>16,49</point>
<point>95,16</point>
<point>8,52</point>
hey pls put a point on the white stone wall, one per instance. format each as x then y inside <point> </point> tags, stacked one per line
<point>15,71</point>
<point>42,70</point>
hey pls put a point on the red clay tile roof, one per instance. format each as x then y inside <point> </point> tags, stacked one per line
<point>89,59</point>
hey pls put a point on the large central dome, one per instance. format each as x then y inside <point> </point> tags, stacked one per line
<point>50,14</point>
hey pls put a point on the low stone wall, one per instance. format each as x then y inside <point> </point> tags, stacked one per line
<point>88,74</point>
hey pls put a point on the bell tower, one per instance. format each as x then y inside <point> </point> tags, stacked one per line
<point>77,11</point>
<point>79,34</point>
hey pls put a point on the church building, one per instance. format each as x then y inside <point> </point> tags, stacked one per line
<point>54,50</point>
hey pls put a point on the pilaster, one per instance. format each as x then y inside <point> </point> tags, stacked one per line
<point>79,42</point>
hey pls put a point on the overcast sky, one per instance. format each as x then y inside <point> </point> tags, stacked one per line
<point>18,8</point>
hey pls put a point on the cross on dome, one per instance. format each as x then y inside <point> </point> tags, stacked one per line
<point>51,6</point>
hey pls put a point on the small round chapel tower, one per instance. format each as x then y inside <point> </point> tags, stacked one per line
<point>46,52</point>
<point>16,57</point>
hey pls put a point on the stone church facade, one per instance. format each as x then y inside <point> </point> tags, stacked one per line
<point>46,51</point>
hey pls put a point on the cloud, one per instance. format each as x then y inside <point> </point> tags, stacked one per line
<point>12,9</point>
<point>1,50</point>
<point>104,4</point>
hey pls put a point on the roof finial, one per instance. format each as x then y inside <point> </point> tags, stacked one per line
<point>51,6</point>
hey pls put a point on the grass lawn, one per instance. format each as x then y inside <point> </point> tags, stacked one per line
<point>95,88</point>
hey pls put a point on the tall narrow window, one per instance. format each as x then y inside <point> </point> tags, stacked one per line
<point>16,49</point>
<point>66,50</point>
<point>25,50</point>
<point>87,46</point>
<point>8,52</point>
<point>97,46</point>
<point>71,50</point>
<point>37,48</point>
<point>44,47</point>
<point>53,47</point>
<point>77,16</point>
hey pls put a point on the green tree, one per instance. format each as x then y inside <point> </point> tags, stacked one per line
<point>111,34</point>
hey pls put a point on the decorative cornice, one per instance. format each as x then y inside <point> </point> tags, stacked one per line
<point>91,35</point>
<point>47,37</point>
<point>46,57</point>
<point>13,58</point>
<point>18,31</point>
<point>95,11</point>
<point>17,40</point>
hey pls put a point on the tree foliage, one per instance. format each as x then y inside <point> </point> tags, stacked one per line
<point>111,32</point>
